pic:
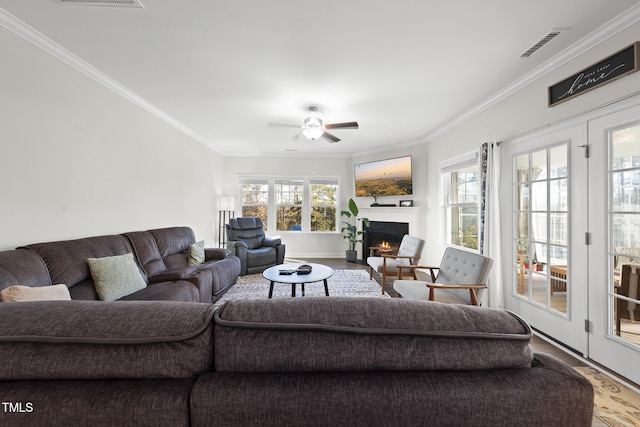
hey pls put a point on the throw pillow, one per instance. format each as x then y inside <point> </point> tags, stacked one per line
<point>196,253</point>
<point>116,276</point>
<point>41,293</point>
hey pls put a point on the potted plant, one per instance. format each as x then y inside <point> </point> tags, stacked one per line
<point>350,230</point>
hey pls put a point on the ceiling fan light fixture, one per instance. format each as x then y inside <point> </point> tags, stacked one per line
<point>312,127</point>
<point>313,133</point>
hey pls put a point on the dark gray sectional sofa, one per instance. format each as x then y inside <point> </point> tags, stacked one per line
<point>282,362</point>
<point>161,256</point>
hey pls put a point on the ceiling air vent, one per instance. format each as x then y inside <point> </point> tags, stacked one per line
<point>101,3</point>
<point>546,39</point>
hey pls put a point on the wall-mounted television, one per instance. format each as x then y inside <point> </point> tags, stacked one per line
<point>390,177</point>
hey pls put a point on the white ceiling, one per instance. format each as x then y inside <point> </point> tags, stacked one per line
<point>221,70</point>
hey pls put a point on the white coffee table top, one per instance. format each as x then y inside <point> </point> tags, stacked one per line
<point>318,273</point>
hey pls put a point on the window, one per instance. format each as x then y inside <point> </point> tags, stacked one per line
<point>289,197</point>
<point>461,196</point>
<point>324,204</point>
<point>292,203</point>
<point>254,199</point>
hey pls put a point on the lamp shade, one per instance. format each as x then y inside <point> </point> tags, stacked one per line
<point>227,203</point>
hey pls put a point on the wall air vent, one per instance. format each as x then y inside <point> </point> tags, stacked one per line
<point>101,3</point>
<point>546,39</point>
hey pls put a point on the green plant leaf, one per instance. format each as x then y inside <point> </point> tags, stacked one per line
<point>353,207</point>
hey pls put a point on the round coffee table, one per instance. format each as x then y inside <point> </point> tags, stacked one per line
<point>318,273</point>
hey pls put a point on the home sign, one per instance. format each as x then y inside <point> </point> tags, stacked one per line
<point>615,66</point>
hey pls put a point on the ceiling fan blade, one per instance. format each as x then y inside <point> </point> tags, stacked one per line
<point>347,125</point>
<point>282,125</point>
<point>330,138</point>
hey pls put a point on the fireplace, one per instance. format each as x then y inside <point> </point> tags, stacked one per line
<point>384,235</point>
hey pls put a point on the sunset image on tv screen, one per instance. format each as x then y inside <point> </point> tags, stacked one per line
<point>390,177</point>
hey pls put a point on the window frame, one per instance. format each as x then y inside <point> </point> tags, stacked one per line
<point>307,205</point>
<point>447,169</point>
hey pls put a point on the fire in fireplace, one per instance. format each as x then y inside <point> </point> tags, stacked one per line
<point>384,236</point>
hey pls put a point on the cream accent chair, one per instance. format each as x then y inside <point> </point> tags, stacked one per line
<point>409,254</point>
<point>461,279</point>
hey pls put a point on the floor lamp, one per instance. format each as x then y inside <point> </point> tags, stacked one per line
<point>226,212</point>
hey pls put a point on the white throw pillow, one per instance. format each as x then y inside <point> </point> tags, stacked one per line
<point>39,293</point>
<point>196,253</point>
<point>116,276</point>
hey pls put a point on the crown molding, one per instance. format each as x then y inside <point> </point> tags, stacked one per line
<point>606,31</point>
<point>41,41</point>
<point>613,27</point>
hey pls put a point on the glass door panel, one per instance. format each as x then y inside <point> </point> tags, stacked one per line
<point>624,220</point>
<point>614,254</point>
<point>541,227</point>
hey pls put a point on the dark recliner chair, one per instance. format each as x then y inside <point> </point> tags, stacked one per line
<point>247,241</point>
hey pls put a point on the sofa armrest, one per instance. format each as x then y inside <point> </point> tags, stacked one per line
<point>272,241</point>
<point>203,280</point>
<point>471,288</point>
<point>418,267</point>
<point>214,254</point>
<point>233,244</point>
<point>172,275</point>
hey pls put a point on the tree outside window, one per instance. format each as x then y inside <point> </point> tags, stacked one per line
<point>289,198</point>
<point>255,200</point>
<point>308,204</point>
<point>324,195</point>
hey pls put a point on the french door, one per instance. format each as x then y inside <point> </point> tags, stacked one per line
<point>543,208</point>
<point>570,205</point>
<point>614,253</point>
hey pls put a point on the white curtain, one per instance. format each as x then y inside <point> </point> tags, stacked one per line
<point>491,240</point>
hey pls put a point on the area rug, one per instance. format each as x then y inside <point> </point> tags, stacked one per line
<point>614,404</point>
<point>343,283</point>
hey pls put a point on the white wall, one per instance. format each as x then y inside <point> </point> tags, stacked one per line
<point>299,244</point>
<point>521,112</point>
<point>79,160</point>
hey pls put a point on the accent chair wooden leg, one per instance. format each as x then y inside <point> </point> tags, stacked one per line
<point>474,298</point>
<point>384,280</point>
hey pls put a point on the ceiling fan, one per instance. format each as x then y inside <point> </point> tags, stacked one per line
<point>313,128</point>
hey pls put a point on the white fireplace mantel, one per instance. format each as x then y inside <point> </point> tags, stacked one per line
<point>392,214</point>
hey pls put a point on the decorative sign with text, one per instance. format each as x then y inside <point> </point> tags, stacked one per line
<point>617,65</point>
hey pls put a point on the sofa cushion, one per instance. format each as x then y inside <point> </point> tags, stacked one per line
<point>196,253</point>
<point>333,334</point>
<point>146,251</point>
<point>100,340</point>
<point>41,293</point>
<point>180,290</point>
<point>116,276</point>
<point>249,230</point>
<point>261,256</point>
<point>550,393</point>
<point>173,244</point>
<point>67,260</point>
<point>23,267</point>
